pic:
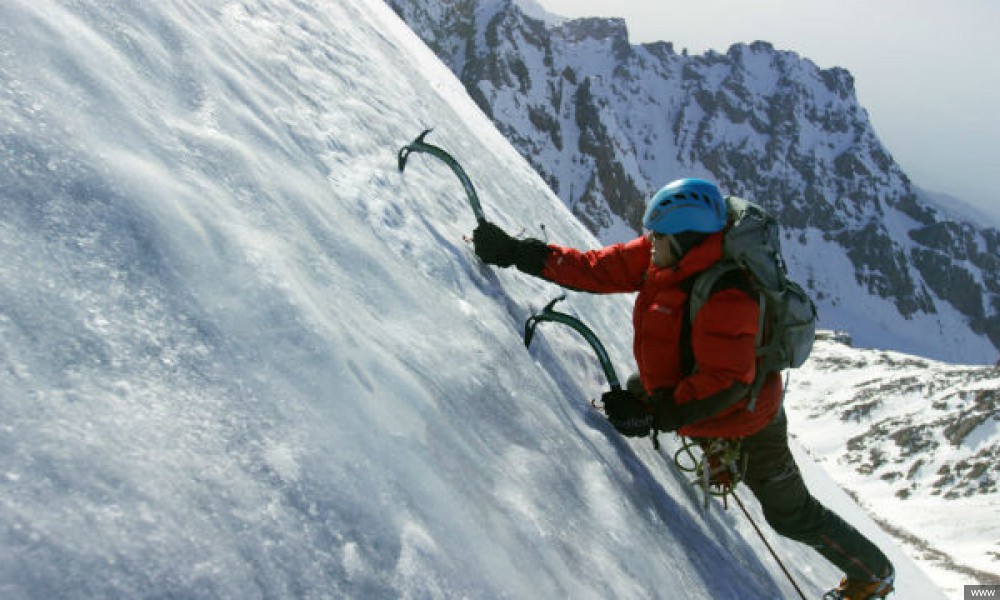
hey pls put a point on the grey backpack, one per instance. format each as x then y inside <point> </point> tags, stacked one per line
<point>787,314</point>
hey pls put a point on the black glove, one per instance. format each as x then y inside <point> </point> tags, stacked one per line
<point>494,247</point>
<point>669,417</point>
<point>627,413</point>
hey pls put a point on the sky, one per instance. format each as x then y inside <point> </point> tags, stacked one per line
<point>926,70</point>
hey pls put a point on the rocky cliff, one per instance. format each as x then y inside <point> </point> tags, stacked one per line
<point>607,122</point>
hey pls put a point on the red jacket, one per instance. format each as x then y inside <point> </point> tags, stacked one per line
<point>722,336</point>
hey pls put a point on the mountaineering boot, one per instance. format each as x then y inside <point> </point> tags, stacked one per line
<point>863,589</point>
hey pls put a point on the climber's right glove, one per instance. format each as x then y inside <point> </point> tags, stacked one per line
<point>495,247</point>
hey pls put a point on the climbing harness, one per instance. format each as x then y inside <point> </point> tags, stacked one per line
<point>718,471</point>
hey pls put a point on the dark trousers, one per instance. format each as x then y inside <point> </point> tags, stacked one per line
<point>774,478</point>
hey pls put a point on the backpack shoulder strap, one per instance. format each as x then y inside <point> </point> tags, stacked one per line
<point>723,275</point>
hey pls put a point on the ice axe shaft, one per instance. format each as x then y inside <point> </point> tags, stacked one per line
<point>550,314</point>
<point>419,145</point>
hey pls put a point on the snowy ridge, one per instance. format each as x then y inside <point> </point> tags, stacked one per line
<point>606,123</point>
<point>242,357</point>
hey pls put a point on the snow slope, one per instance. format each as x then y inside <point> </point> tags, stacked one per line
<point>242,357</point>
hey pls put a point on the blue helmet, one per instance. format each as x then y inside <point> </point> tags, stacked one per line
<point>686,205</point>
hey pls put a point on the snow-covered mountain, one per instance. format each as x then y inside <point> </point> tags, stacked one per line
<point>606,123</point>
<point>913,440</point>
<point>241,356</point>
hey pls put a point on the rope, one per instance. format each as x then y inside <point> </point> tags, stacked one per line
<point>773,553</point>
<point>718,473</point>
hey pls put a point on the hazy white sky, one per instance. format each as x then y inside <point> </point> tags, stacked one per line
<point>927,71</point>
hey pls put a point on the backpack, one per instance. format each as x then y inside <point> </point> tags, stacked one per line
<point>752,246</point>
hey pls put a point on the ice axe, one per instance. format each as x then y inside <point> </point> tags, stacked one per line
<point>550,314</point>
<point>419,145</point>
